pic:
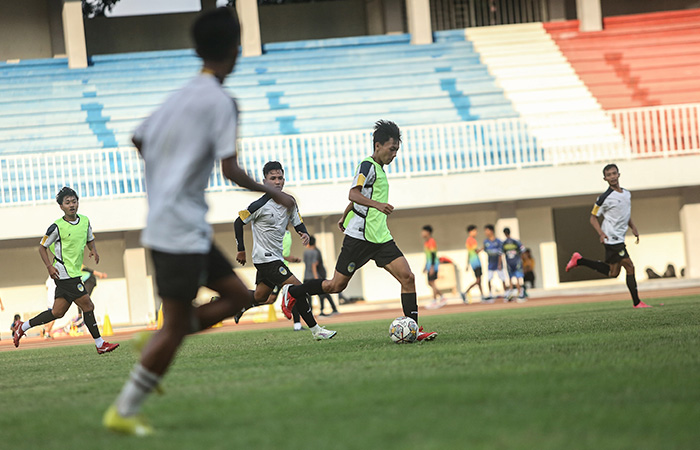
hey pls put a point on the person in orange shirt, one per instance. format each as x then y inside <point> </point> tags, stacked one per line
<point>431,266</point>
<point>473,261</point>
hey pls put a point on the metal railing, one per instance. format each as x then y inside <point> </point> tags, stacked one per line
<point>454,14</point>
<point>324,158</point>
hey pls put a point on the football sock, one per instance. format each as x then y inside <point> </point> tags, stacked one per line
<point>296,318</point>
<point>134,393</point>
<point>313,287</point>
<point>45,317</point>
<point>315,328</point>
<point>89,319</point>
<point>409,302</point>
<point>632,286</point>
<point>305,311</point>
<point>598,266</point>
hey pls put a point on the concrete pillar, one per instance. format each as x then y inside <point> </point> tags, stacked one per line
<point>507,218</point>
<point>375,16</point>
<point>250,27</point>
<point>556,10</point>
<point>537,234</point>
<point>418,17</point>
<point>690,218</point>
<point>74,34</point>
<point>393,16</point>
<point>589,15</point>
<point>141,304</point>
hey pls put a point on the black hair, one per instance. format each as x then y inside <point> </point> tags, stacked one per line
<point>470,228</point>
<point>489,227</point>
<point>65,192</point>
<point>385,130</point>
<point>272,165</point>
<point>610,166</point>
<point>312,240</point>
<point>428,228</point>
<point>506,231</point>
<point>17,317</point>
<point>215,32</point>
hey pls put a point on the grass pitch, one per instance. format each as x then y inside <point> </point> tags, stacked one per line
<point>585,376</point>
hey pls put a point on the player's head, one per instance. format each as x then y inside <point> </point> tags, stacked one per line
<point>611,174</point>
<point>387,139</point>
<point>274,174</point>
<point>312,241</point>
<point>489,230</point>
<point>17,317</point>
<point>67,199</point>
<point>506,231</point>
<point>527,252</point>
<point>217,35</point>
<point>472,230</point>
<point>426,232</point>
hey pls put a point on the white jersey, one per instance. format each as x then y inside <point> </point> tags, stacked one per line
<point>616,209</point>
<point>269,222</point>
<point>180,142</point>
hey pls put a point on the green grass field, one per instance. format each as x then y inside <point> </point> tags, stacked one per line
<point>584,376</point>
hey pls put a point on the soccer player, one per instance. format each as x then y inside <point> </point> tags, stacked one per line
<point>513,250</point>
<point>314,270</point>
<point>473,261</point>
<point>615,206</point>
<point>494,249</point>
<point>179,143</point>
<point>68,236</point>
<point>431,266</point>
<point>367,235</point>
<point>269,222</point>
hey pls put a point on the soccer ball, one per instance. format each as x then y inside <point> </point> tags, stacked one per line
<point>403,330</point>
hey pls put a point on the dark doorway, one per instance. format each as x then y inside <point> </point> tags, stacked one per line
<point>573,233</point>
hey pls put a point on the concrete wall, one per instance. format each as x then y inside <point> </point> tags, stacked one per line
<point>24,29</point>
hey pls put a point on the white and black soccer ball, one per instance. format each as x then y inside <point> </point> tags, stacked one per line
<point>403,330</point>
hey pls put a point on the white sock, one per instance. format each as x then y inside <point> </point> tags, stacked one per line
<point>315,329</point>
<point>135,391</point>
<point>297,326</point>
<point>99,341</point>
<point>26,326</point>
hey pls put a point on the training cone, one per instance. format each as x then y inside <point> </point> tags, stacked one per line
<point>159,322</point>
<point>107,327</point>
<point>271,314</point>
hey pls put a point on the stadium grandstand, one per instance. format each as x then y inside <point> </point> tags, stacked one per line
<point>509,110</point>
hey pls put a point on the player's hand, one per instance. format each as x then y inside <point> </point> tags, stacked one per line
<point>603,238</point>
<point>95,256</point>
<point>293,259</point>
<point>340,225</point>
<point>53,272</point>
<point>432,271</point>
<point>385,208</point>
<point>304,239</point>
<point>283,199</point>
<point>636,241</point>
<point>240,257</point>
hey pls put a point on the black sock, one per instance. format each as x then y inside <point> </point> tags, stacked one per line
<point>295,314</point>
<point>598,266</point>
<point>313,287</point>
<point>45,317</point>
<point>89,319</point>
<point>410,305</point>
<point>632,286</point>
<point>304,307</point>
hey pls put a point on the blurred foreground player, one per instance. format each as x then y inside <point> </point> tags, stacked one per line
<point>367,236</point>
<point>615,206</point>
<point>179,143</point>
<point>67,238</point>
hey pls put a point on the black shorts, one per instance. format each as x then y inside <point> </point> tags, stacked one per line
<point>615,253</point>
<point>179,276</point>
<point>70,289</point>
<point>432,277</point>
<point>90,284</point>
<point>477,271</point>
<point>356,253</point>
<point>272,274</point>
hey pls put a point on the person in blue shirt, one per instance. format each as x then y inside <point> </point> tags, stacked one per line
<point>494,249</point>
<point>513,249</point>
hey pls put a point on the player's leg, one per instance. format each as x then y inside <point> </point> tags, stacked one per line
<point>59,309</point>
<point>85,303</point>
<point>578,260</point>
<point>303,307</point>
<point>631,282</point>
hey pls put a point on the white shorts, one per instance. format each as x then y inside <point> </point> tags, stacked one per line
<point>501,274</point>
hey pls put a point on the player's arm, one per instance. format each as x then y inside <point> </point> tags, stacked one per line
<point>240,245</point>
<point>93,251</point>
<point>299,226</point>
<point>596,227</point>
<point>49,238</point>
<point>341,222</point>
<point>234,172</point>
<point>634,230</point>
<point>356,196</point>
